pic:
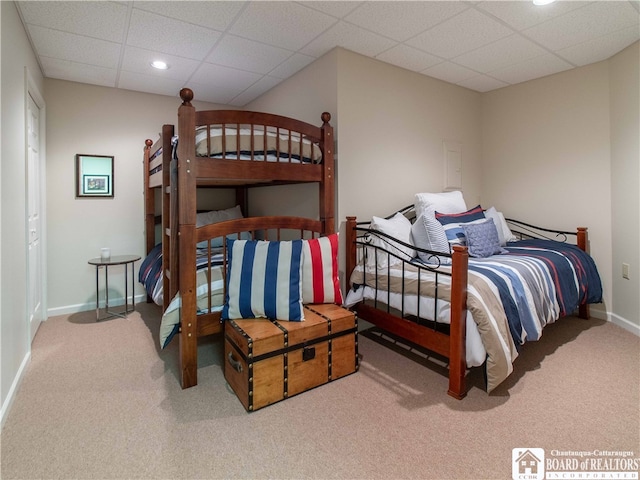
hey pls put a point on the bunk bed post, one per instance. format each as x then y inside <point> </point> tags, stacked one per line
<point>458,328</point>
<point>350,243</point>
<point>583,244</point>
<point>327,186</point>
<point>187,239</point>
<point>149,200</point>
<point>149,205</point>
<point>241,199</point>
<point>169,223</point>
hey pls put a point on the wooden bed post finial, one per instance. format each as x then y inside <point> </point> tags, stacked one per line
<point>148,142</point>
<point>186,94</point>
<point>326,117</point>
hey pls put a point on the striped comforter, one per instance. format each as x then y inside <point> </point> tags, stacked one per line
<point>511,297</point>
<point>150,275</point>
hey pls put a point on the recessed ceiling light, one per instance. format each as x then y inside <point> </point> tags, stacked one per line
<point>159,64</point>
<point>543,2</point>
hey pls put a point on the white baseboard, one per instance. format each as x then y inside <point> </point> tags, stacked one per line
<point>11,395</point>
<point>615,319</point>
<point>626,324</point>
<point>83,307</point>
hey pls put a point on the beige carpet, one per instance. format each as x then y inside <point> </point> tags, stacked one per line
<point>99,400</point>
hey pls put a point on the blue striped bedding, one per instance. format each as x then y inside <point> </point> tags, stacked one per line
<point>510,297</point>
<point>150,275</point>
<point>538,282</point>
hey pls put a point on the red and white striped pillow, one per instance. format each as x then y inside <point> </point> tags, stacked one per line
<point>320,282</point>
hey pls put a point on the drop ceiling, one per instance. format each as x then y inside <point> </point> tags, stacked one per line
<point>230,52</point>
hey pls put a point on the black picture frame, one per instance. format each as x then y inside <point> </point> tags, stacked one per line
<point>94,176</point>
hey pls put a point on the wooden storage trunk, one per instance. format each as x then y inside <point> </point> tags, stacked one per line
<point>268,360</point>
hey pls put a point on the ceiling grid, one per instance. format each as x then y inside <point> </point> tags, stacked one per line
<point>233,52</point>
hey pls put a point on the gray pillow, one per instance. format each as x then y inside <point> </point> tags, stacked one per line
<point>482,239</point>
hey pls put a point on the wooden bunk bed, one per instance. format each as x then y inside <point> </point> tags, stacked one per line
<point>447,280</point>
<point>235,149</point>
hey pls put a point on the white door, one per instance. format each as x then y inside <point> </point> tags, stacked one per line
<point>34,244</point>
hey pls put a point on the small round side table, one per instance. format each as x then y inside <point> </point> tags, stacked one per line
<point>125,260</point>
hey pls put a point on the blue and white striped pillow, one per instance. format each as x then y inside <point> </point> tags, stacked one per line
<point>453,222</point>
<point>264,280</point>
<point>429,234</point>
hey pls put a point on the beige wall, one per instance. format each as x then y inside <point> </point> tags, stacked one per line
<point>558,130</point>
<point>305,96</point>
<point>390,126</point>
<point>102,121</point>
<point>14,328</point>
<point>393,123</point>
<point>624,78</point>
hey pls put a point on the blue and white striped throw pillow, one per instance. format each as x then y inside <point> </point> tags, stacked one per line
<point>264,280</point>
<point>453,222</point>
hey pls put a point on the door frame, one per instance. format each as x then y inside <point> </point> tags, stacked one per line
<point>31,89</point>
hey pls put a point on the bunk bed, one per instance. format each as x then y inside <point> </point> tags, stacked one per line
<point>471,312</point>
<point>224,149</point>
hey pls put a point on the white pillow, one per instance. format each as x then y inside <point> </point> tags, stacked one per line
<point>398,227</point>
<point>444,202</point>
<point>215,216</point>
<point>504,232</point>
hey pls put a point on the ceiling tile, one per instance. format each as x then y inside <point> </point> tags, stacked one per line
<point>449,72</point>
<point>482,83</point>
<point>600,48</point>
<point>103,20</point>
<point>215,15</point>
<point>525,14</point>
<point>333,8</point>
<point>290,26</point>
<point>505,51</point>
<point>236,52</point>
<point>408,57</point>
<point>541,66</point>
<point>466,31</point>
<point>400,24</point>
<point>149,83</point>
<point>78,72</point>
<point>219,76</point>
<point>581,25</point>
<point>76,48</point>
<point>138,60</point>
<point>206,92</point>
<point>155,32</point>
<point>291,65</point>
<point>350,37</point>
<point>263,85</point>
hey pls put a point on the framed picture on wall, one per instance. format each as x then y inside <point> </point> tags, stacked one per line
<point>95,184</point>
<point>94,176</point>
